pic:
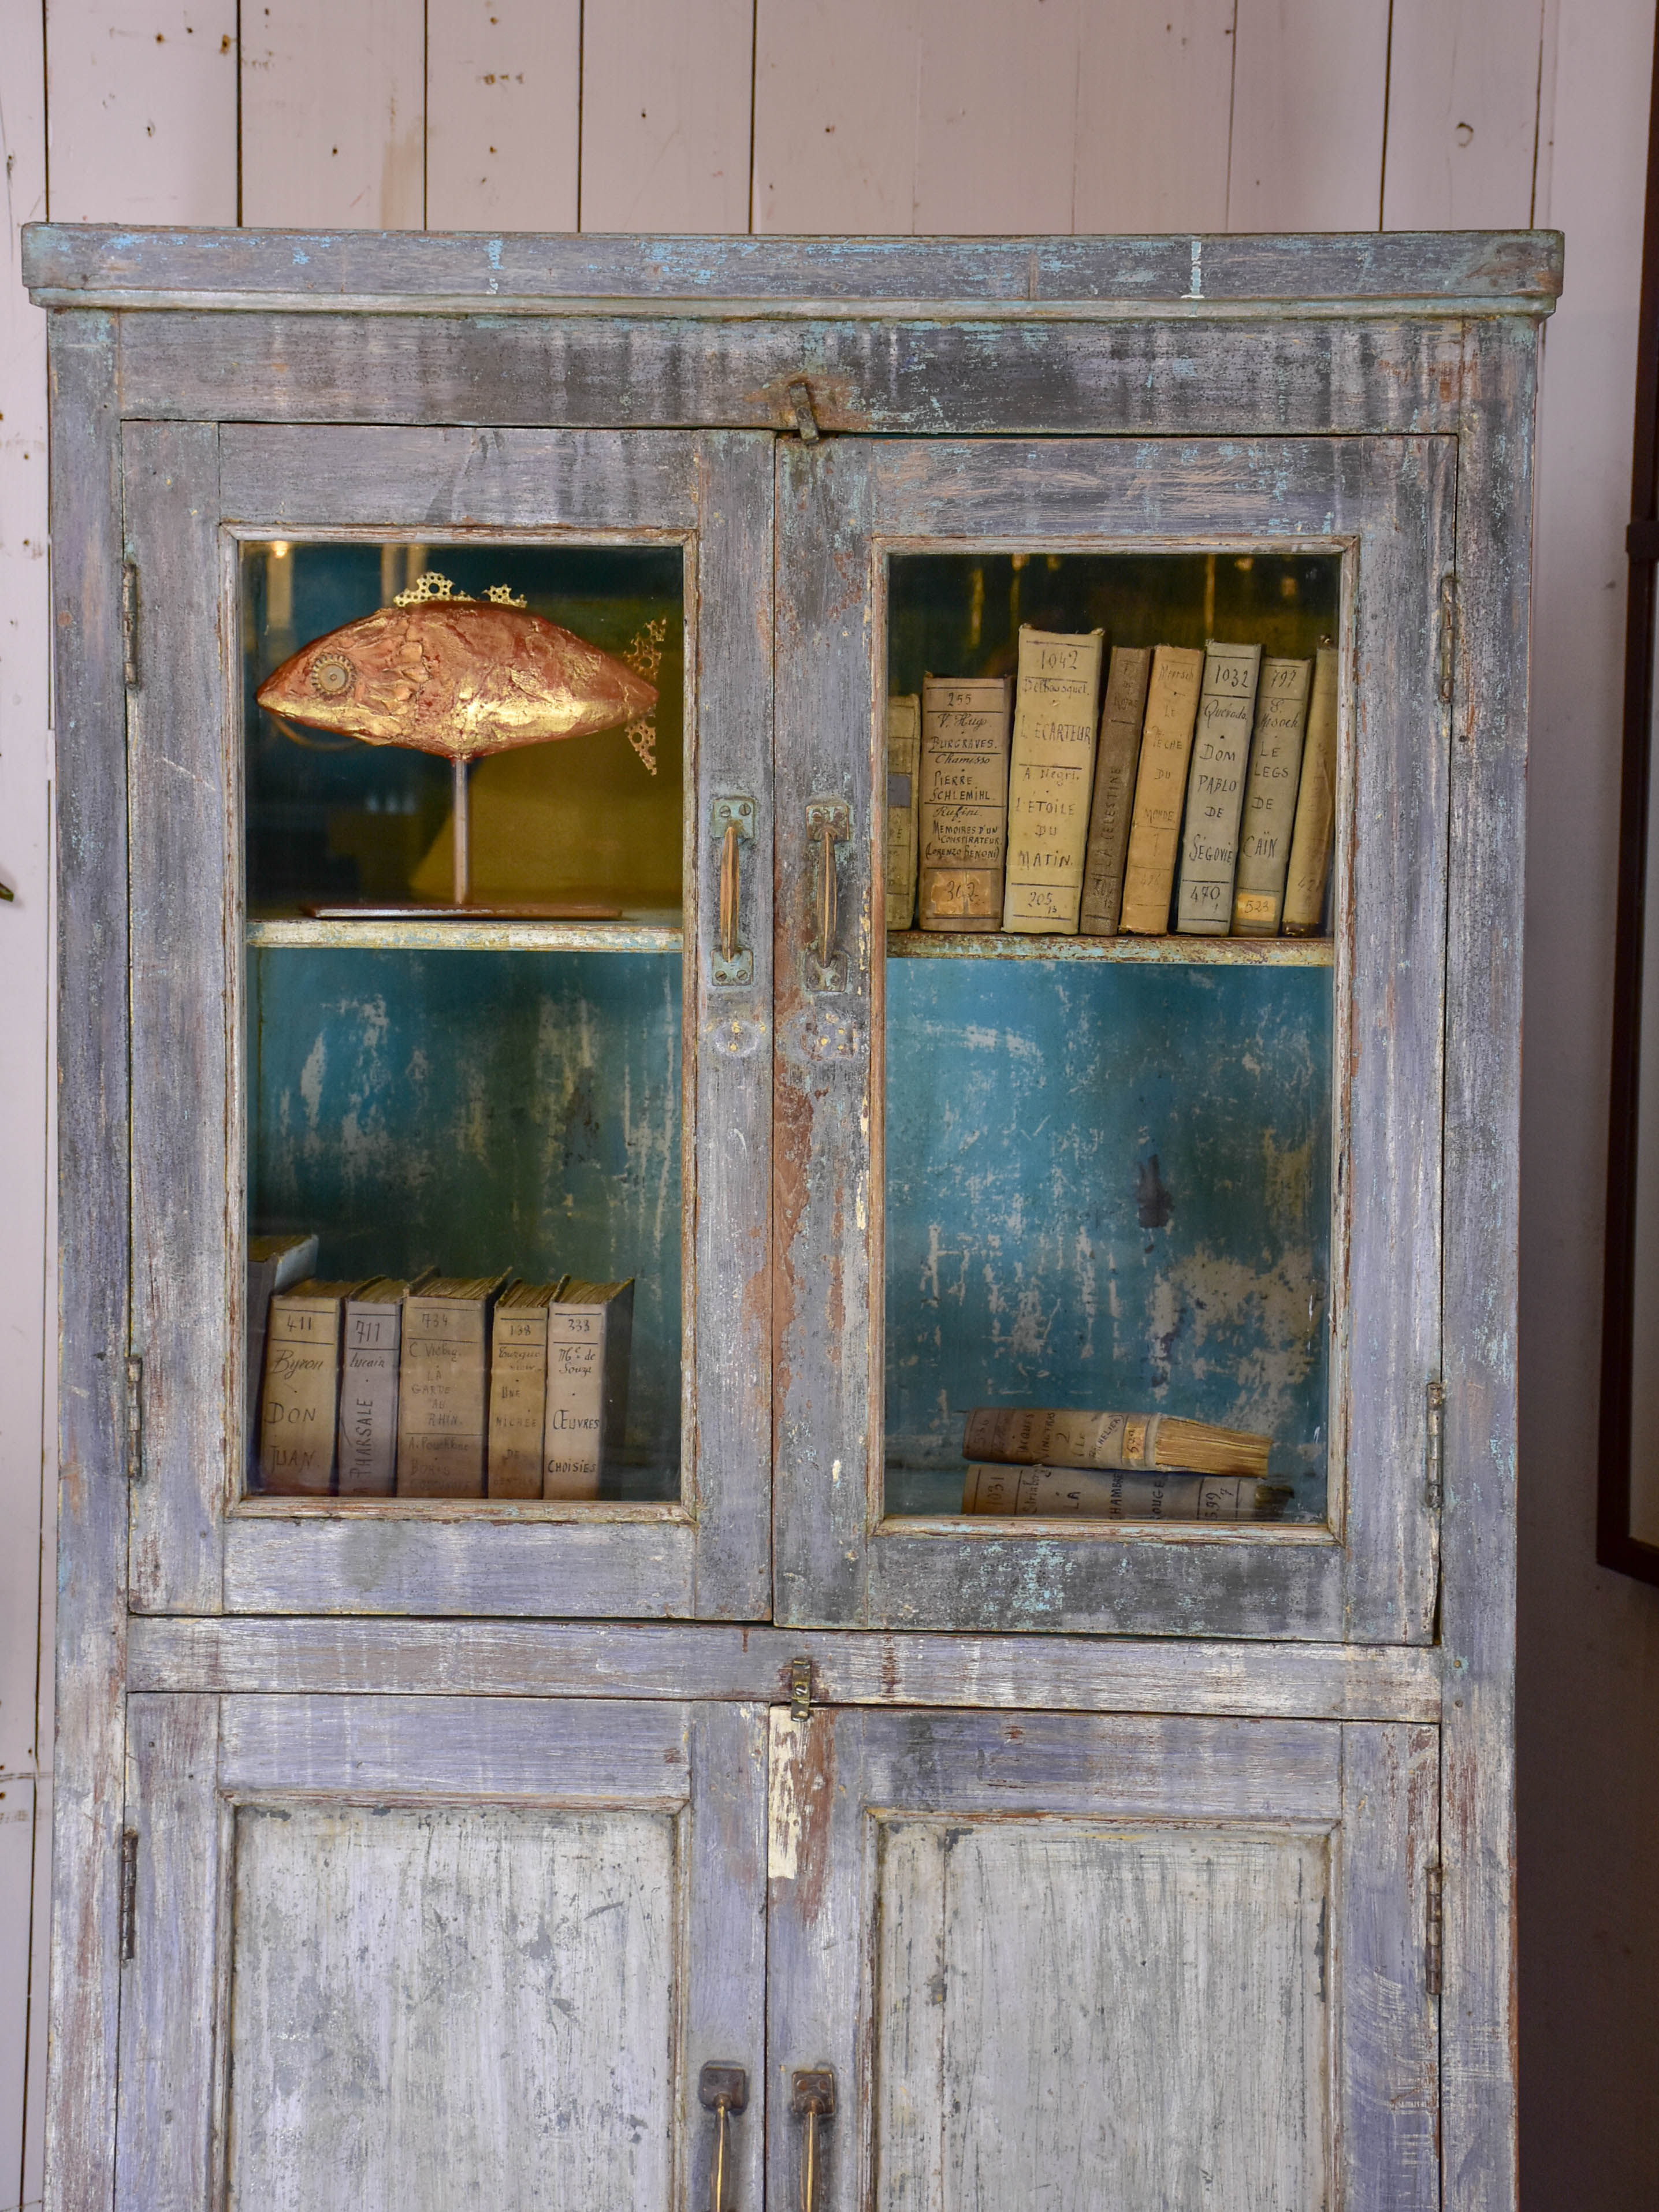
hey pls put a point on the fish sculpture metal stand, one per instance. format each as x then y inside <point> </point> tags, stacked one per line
<point>464,678</point>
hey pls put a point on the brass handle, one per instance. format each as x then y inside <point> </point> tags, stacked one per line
<point>722,2090</point>
<point>828,824</point>
<point>813,2100</point>
<point>733,824</point>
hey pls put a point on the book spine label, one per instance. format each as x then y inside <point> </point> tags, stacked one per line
<point>301,1398</point>
<point>1315,806</point>
<point>1116,761</point>
<point>963,805</point>
<point>368,1403</point>
<point>440,1400</point>
<point>1028,1434</point>
<point>1077,1493</point>
<point>903,764</point>
<point>1264,832</point>
<point>1215,790</point>
<point>574,1439</point>
<point>1050,775</point>
<point>1160,791</point>
<point>518,1402</point>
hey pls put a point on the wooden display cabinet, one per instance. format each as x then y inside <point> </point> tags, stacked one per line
<point>761,1822</point>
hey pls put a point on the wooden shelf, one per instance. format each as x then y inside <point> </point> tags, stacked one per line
<point>482,935</point>
<point>1155,951</point>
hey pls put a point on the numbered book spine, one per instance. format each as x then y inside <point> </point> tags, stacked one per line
<point>371,1334</point>
<point>1051,766</point>
<point>961,803</point>
<point>1079,1494</point>
<point>1215,790</point>
<point>1264,833</point>
<point>589,1340</point>
<point>1052,1436</point>
<point>903,763</point>
<point>1116,758</point>
<point>443,1376</point>
<point>299,1404</point>
<point>517,1390</point>
<point>1315,806</point>
<point>274,1263</point>
<point>1160,790</point>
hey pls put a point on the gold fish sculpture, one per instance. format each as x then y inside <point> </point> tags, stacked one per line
<point>464,678</point>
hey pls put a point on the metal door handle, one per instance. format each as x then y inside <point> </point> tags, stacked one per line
<point>813,2100</point>
<point>724,2091</point>
<point>733,824</point>
<point>828,824</point>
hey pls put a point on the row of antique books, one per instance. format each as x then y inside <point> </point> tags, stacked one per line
<point>437,1386</point>
<point>1204,784</point>
<point>1040,1460</point>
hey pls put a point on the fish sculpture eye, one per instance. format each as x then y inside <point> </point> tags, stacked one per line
<point>332,675</point>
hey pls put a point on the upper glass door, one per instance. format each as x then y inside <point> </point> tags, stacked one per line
<point>1109,961</point>
<point>471,938</point>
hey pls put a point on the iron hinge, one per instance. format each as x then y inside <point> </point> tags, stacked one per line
<point>1434,1932</point>
<point>800,405</point>
<point>129,1895</point>
<point>1435,1410</point>
<point>1447,632</point>
<point>800,1689</point>
<point>130,624</point>
<point>135,1419</point>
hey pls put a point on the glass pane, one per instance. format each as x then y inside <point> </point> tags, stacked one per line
<point>1108,1151</point>
<point>464,1118</point>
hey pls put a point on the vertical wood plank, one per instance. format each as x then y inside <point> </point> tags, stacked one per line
<point>333,115</point>
<point>996,118</point>
<point>1154,111</point>
<point>92,1227</point>
<point>16,1884</point>
<point>725,2007</point>
<point>666,99</point>
<point>142,101</point>
<point>1463,78</point>
<point>835,116</point>
<point>1309,85</point>
<point>187,1181</point>
<point>503,114</point>
<point>1389,2058</point>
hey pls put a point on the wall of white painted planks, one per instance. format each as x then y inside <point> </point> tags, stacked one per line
<point>931,116</point>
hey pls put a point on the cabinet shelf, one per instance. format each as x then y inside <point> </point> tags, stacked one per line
<point>641,935</point>
<point>1153,951</point>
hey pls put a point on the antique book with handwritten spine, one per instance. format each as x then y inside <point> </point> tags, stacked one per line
<point>589,1328</point>
<point>1051,766</point>
<point>274,1263</point>
<point>371,1341</point>
<point>1215,790</point>
<point>299,1404</point>
<point>518,1390</point>
<point>442,1405</point>
<point>1166,747</point>
<point>1049,1436</point>
<point>1117,756</point>
<point>903,763</point>
<point>962,801</point>
<point>1086,1494</point>
<point>1309,867</point>
<point>1264,829</point>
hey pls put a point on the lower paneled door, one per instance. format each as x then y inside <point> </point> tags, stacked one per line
<point>425,1953</point>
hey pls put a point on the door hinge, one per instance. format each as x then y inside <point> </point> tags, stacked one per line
<point>129,1895</point>
<point>800,1689</point>
<point>130,623</point>
<point>1447,632</point>
<point>1434,1932</point>
<point>1433,1488</point>
<point>135,1419</point>
<point>800,403</point>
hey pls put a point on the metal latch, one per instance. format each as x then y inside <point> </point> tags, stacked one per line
<point>800,403</point>
<point>800,1689</point>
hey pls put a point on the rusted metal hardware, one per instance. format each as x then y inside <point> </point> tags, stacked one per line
<point>1434,1933</point>
<point>828,824</point>
<point>734,825</point>
<point>130,624</point>
<point>800,1690</point>
<point>1433,1484</point>
<point>129,1895</point>
<point>812,2099</point>
<point>800,403</point>
<point>723,2090</point>
<point>1447,632</point>
<point>135,1419</point>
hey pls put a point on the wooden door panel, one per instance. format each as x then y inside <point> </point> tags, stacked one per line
<point>418,1952</point>
<point>1070,1962</point>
